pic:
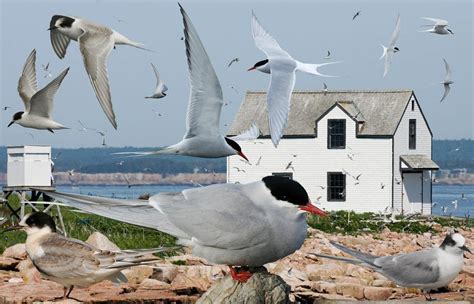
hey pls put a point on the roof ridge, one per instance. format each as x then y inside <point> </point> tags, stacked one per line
<point>338,91</point>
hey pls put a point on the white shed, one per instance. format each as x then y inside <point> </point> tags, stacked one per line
<point>29,166</point>
<point>364,151</point>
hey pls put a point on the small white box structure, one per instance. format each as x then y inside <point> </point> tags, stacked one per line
<point>29,166</point>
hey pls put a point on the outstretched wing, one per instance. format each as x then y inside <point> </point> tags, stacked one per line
<point>264,41</point>
<point>206,99</point>
<point>395,34</point>
<point>27,84</point>
<point>41,104</point>
<point>448,71</point>
<point>250,134</point>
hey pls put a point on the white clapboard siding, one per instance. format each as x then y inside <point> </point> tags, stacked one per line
<point>372,158</point>
<point>423,146</point>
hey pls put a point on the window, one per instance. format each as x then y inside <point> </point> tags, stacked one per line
<point>336,187</point>
<point>412,134</point>
<point>284,174</point>
<point>413,105</point>
<point>336,133</point>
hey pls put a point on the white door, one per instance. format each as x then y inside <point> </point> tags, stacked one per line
<point>412,192</point>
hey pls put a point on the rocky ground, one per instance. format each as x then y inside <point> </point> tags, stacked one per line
<point>183,279</point>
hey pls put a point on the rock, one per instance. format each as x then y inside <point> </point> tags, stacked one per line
<point>28,272</point>
<point>325,287</point>
<point>187,259</point>
<point>17,251</point>
<point>348,280</point>
<point>137,274</point>
<point>377,293</point>
<point>154,284</point>
<point>383,283</point>
<point>318,272</point>
<point>165,273</point>
<point>100,241</point>
<point>184,284</point>
<point>350,290</point>
<point>262,287</point>
<point>8,263</point>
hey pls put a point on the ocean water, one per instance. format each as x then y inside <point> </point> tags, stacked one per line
<point>443,195</point>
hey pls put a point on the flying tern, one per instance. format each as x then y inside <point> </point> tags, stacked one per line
<point>232,224</point>
<point>71,262</point>
<point>356,15</point>
<point>96,41</point>
<point>234,60</point>
<point>440,27</point>
<point>447,80</point>
<point>161,88</point>
<point>392,48</point>
<point>425,269</point>
<point>38,103</point>
<point>282,68</point>
<point>202,138</point>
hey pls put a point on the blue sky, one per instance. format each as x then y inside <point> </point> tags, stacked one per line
<point>306,29</point>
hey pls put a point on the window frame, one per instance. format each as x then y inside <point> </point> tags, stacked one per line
<point>283,174</point>
<point>412,134</point>
<point>330,187</point>
<point>329,134</point>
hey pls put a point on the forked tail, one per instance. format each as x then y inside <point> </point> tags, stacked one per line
<point>311,68</point>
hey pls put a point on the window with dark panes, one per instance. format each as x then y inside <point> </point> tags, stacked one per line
<point>336,133</point>
<point>412,134</point>
<point>284,174</point>
<point>336,186</point>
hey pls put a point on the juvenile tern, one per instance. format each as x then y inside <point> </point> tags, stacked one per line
<point>161,88</point>
<point>391,49</point>
<point>38,103</point>
<point>425,269</point>
<point>71,262</point>
<point>202,138</point>
<point>447,80</point>
<point>440,27</point>
<point>96,41</point>
<point>232,224</point>
<point>282,68</point>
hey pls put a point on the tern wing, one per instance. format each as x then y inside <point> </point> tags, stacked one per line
<point>27,84</point>
<point>447,88</point>
<point>95,47</point>
<point>264,41</point>
<point>220,216</point>
<point>41,104</point>
<point>438,22</point>
<point>278,102</point>
<point>396,34</point>
<point>420,267</point>
<point>387,62</point>
<point>448,71</point>
<point>59,41</point>
<point>250,134</point>
<point>159,83</point>
<point>206,99</point>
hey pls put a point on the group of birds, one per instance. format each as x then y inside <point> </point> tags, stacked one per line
<point>239,225</point>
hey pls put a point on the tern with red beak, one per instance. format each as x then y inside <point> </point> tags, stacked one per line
<point>202,138</point>
<point>240,225</point>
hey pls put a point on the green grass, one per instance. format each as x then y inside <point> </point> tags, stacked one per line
<point>81,226</point>
<point>357,223</point>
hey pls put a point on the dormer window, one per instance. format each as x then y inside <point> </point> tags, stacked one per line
<point>336,133</point>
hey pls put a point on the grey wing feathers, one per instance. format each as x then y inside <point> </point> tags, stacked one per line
<point>366,258</point>
<point>27,84</point>
<point>447,88</point>
<point>136,212</point>
<point>95,48</point>
<point>41,103</point>
<point>59,42</point>
<point>206,99</point>
<point>343,259</point>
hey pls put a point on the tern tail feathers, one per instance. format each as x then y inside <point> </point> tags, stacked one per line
<point>311,68</point>
<point>384,54</point>
<point>136,212</point>
<point>347,260</point>
<point>362,257</point>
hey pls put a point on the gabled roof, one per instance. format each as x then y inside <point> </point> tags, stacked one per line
<point>380,111</point>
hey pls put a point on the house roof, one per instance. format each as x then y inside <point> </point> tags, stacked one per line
<point>380,111</point>
<point>419,162</point>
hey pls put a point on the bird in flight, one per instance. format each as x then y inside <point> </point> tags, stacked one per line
<point>356,15</point>
<point>440,27</point>
<point>447,80</point>
<point>161,88</point>
<point>392,48</point>
<point>234,60</point>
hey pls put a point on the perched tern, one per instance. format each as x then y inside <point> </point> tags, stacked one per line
<point>447,80</point>
<point>202,138</point>
<point>440,27</point>
<point>38,103</point>
<point>71,262</point>
<point>161,88</point>
<point>232,224</point>
<point>282,68</point>
<point>425,269</point>
<point>96,41</point>
<point>391,49</point>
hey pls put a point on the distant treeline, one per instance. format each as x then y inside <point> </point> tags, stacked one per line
<point>448,154</point>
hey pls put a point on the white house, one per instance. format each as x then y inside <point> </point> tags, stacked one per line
<point>351,150</point>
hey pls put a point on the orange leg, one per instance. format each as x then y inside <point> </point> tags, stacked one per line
<point>240,275</point>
